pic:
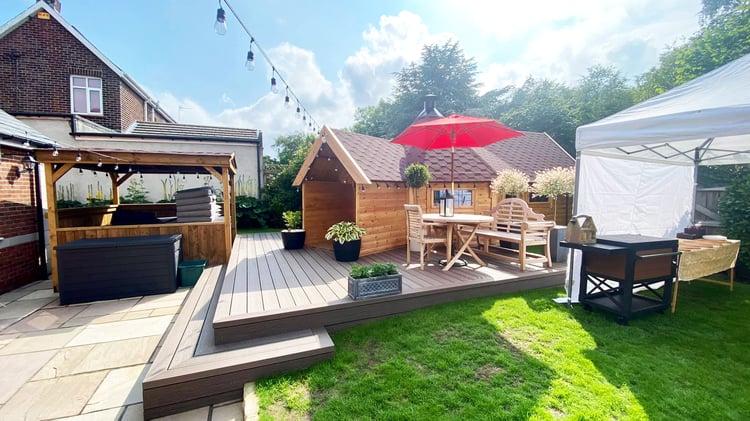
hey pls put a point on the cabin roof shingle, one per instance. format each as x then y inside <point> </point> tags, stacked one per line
<point>381,160</point>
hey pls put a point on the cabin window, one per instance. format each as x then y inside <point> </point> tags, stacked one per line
<point>86,95</point>
<point>539,199</point>
<point>461,198</point>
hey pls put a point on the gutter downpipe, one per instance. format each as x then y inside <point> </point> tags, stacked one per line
<point>40,226</point>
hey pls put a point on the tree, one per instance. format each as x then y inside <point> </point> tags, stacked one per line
<point>542,105</point>
<point>443,70</point>
<point>278,194</point>
<point>724,37</point>
<point>602,92</point>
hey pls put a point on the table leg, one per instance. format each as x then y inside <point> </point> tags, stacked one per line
<point>466,242</point>
<point>463,248</point>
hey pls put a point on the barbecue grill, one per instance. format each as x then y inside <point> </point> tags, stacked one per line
<point>627,274</point>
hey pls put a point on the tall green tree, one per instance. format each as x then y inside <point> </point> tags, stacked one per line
<point>601,92</point>
<point>443,70</point>
<point>278,194</point>
<point>724,37</point>
<point>542,105</point>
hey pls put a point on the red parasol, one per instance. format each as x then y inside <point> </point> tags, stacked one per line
<point>455,131</point>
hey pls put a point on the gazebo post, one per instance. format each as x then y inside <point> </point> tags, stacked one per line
<point>50,183</point>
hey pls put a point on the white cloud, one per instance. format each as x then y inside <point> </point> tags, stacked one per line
<point>549,39</point>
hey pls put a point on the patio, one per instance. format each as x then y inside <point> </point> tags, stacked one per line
<point>95,356</point>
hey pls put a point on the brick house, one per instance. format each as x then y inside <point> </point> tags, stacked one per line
<point>53,79</point>
<point>20,219</point>
<point>57,83</point>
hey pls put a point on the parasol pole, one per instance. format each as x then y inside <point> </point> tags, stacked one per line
<point>453,152</point>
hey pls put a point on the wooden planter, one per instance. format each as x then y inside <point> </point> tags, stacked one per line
<point>377,286</point>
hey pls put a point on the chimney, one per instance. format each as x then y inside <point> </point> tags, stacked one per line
<point>54,3</point>
<point>429,112</point>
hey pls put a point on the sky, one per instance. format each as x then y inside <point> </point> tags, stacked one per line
<point>338,55</point>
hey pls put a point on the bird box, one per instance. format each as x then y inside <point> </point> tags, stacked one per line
<point>581,232</point>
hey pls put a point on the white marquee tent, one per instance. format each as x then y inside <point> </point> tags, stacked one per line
<point>636,169</point>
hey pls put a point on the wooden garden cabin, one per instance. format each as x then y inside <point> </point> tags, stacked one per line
<point>354,177</point>
<point>200,240</point>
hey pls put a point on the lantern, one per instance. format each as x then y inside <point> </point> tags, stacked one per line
<point>446,204</point>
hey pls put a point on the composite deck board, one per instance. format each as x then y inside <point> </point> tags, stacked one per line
<point>314,296</point>
<point>313,276</point>
<point>288,273</point>
<point>254,296</point>
<point>242,280</point>
<point>297,291</point>
<point>224,304</point>
<point>268,292</point>
<point>281,287</point>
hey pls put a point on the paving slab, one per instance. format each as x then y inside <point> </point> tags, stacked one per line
<point>200,414</point>
<point>64,362</point>
<point>17,369</point>
<point>41,341</point>
<point>53,398</point>
<point>116,331</point>
<point>44,319</point>
<point>123,353</point>
<point>121,387</point>
<point>21,308</point>
<point>228,412</point>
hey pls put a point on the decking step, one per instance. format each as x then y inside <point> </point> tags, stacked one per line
<point>190,371</point>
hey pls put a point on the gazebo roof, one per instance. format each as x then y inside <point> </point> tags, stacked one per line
<point>146,162</point>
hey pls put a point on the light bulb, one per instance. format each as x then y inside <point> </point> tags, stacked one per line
<point>117,166</point>
<point>286,101</point>
<point>220,27</point>
<point>274,86</point>
<point>78,157</point>
<point>55,152</point>
<point>99,164</point>
<point>250,62</point>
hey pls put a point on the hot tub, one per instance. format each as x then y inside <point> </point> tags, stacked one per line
<point>108,268</point>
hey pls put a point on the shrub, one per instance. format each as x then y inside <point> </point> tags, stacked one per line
<point>735,215</point>
<point>554,182</point>
<point>375,269</point>
<point>251,212</point>
<point>292,219</point>
<point>510,183</point>
<point>344,231</point>
<point>416,176</point>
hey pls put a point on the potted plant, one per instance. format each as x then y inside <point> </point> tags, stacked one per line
<point>416,176</point>
<point>346,237</point>
<point>375,280</point>
<point>510,183</point>
<point>293,236</point>
<point>554,182</point>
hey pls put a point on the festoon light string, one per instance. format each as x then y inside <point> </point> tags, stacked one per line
<point>220,27</point>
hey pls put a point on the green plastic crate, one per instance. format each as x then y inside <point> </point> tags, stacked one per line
<point>189,271</point>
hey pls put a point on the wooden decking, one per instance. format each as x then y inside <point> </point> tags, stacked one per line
<point>269,310</point>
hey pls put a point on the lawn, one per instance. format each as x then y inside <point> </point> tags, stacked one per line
<point>522,356</point>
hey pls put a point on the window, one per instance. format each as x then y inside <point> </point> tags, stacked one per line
<point>86,95</point>
<point>461,197</point>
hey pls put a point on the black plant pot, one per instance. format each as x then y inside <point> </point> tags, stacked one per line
<point>347,252</point>
<point>293,239</point>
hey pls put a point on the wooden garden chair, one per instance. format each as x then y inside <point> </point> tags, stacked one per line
<point>421,232</point>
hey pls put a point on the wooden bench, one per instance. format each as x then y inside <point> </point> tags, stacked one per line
<point>514,222</point>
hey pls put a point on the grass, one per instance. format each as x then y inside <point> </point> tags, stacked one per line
<point>524,357</point>
<point>256,230</point>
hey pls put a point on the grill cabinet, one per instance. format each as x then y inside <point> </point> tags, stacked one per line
<point>617,265</point>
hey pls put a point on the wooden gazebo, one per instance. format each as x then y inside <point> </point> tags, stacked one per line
<point>200,240</point>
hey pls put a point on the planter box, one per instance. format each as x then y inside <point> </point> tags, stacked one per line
<point>374,287</point>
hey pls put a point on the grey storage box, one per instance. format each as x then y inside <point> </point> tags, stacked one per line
<point>107,268</point>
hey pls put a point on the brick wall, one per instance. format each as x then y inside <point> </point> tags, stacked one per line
<point>20,263</point>
<point>132,106</point>
<point>36,62</point>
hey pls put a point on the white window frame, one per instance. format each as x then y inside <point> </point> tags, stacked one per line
<point>88,95</point>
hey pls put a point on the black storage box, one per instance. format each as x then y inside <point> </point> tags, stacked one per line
<point>107,268</point>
